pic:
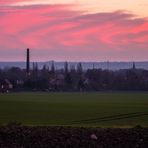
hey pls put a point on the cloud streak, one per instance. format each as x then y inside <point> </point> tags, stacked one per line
<point>60,33</point>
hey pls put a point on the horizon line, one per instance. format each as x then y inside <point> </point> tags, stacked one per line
<point>126,61</point>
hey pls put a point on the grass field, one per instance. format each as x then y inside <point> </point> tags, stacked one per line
<point>75,109</point>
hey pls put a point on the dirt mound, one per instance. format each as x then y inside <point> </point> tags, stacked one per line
<point>70,137</point>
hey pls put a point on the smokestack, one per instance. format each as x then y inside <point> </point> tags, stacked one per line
<point>28,62</point>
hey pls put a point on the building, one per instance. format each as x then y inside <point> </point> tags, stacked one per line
<point>6,86</point>
<point>28,62</point>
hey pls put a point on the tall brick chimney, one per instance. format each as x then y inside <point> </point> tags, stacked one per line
<point>28,62</point>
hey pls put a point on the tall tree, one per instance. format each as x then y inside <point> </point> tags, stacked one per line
<point>66,67</point>
<point>52,67</point>
<point>79,68</point>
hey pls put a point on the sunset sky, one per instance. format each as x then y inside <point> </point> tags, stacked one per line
<point>74,30</point>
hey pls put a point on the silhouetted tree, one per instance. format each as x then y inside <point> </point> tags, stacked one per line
<point>66,67</point>
<point>79,68</point>
<point>52,68</point>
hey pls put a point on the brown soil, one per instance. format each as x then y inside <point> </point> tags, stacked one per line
<point>70,137</point>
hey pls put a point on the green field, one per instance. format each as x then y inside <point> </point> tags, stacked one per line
<point>75,109</point>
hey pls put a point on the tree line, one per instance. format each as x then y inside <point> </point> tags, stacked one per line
<point>72,78</point>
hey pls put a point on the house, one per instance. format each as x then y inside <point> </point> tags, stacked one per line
<point>6,86</point>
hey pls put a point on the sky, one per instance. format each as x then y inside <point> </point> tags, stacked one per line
<point>74,30</point>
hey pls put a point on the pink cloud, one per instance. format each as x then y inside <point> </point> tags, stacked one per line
<point>60,33</point>
<point>9,2</point>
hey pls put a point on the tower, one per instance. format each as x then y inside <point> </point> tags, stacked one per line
<point>28,62</point>
<point>134,66</point>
